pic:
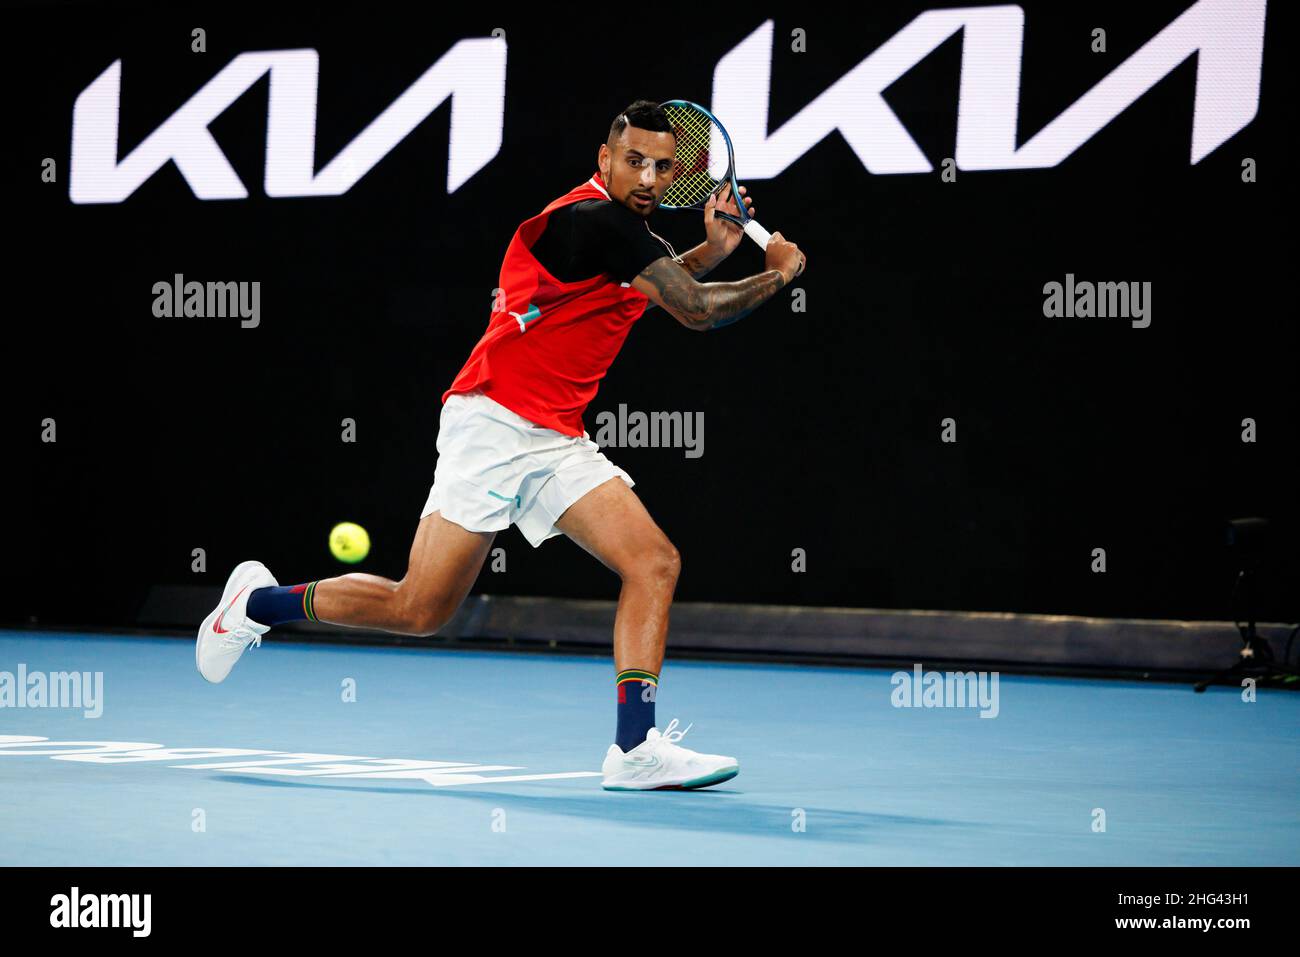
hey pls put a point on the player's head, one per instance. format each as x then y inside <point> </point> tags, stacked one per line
<point>636,161</point>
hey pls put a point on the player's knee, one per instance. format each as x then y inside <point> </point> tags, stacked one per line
<point>424,622</point>
<point>421,615</point>
<point>661,564</point>
<point>672,563</point>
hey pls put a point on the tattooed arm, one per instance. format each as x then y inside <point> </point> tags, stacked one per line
<point>699,262</point>
<point>708,305</point>
<point>711,305</point>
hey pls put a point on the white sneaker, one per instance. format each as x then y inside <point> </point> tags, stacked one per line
<point>659,762</point>
<point>228,630</point>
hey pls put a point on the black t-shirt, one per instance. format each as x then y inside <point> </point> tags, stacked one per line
<point>595,236</point>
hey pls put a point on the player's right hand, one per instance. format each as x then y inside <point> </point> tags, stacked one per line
<point>784,256</point>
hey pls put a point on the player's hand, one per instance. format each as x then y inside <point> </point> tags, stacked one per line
<point>784,256</point>
<point>723,235</point>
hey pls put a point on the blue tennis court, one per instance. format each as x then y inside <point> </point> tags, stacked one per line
<point>456,757</point>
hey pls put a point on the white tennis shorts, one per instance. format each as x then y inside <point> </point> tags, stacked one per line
<point>495,468</point>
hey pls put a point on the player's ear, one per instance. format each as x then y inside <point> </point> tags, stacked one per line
<point>602,161</point>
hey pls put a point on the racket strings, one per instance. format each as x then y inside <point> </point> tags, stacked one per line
<point>693,178</point>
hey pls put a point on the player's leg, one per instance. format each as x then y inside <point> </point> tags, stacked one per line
<point>611,523</point>
<point>445,559</point>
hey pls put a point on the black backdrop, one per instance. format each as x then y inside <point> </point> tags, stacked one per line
<point>924,301</point>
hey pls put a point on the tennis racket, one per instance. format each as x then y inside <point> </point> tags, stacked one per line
<point>703,165</point>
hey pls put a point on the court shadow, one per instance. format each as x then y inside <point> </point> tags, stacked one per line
<point>715,810</point>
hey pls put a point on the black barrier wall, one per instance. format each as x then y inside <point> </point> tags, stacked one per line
<point>906,419</point>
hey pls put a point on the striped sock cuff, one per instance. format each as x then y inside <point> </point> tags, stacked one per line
<point>308,599</point>
<point>637,674</point>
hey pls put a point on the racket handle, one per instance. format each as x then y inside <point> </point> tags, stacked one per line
<point>757,233</point>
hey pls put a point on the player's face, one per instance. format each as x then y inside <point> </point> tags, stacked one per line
<point>640,168</point>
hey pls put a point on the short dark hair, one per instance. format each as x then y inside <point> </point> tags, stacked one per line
<point>644,115</point>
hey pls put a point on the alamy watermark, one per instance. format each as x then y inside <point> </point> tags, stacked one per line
<point>54,689</point>
<point>653,430</point>
<point>1098,300</point>
<point>946,689</point>
<point>179,299</point>
<point>75,909</point>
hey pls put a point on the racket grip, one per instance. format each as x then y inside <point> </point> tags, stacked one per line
<point>757,233</point>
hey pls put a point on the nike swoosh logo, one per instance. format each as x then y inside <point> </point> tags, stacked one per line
<point>217,624</point>
<point>649,761</point>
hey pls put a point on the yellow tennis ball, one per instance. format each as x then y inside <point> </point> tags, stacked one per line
<point>349,542</point>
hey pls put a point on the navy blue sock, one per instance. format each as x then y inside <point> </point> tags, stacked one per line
<point>277,604</point>
<point>636,706</point>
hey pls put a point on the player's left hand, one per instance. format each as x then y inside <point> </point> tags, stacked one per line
<point>722,235</point>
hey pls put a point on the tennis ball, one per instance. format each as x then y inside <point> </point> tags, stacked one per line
<point>349,542</point>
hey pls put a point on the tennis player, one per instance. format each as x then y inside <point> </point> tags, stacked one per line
<point>512,448</point>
